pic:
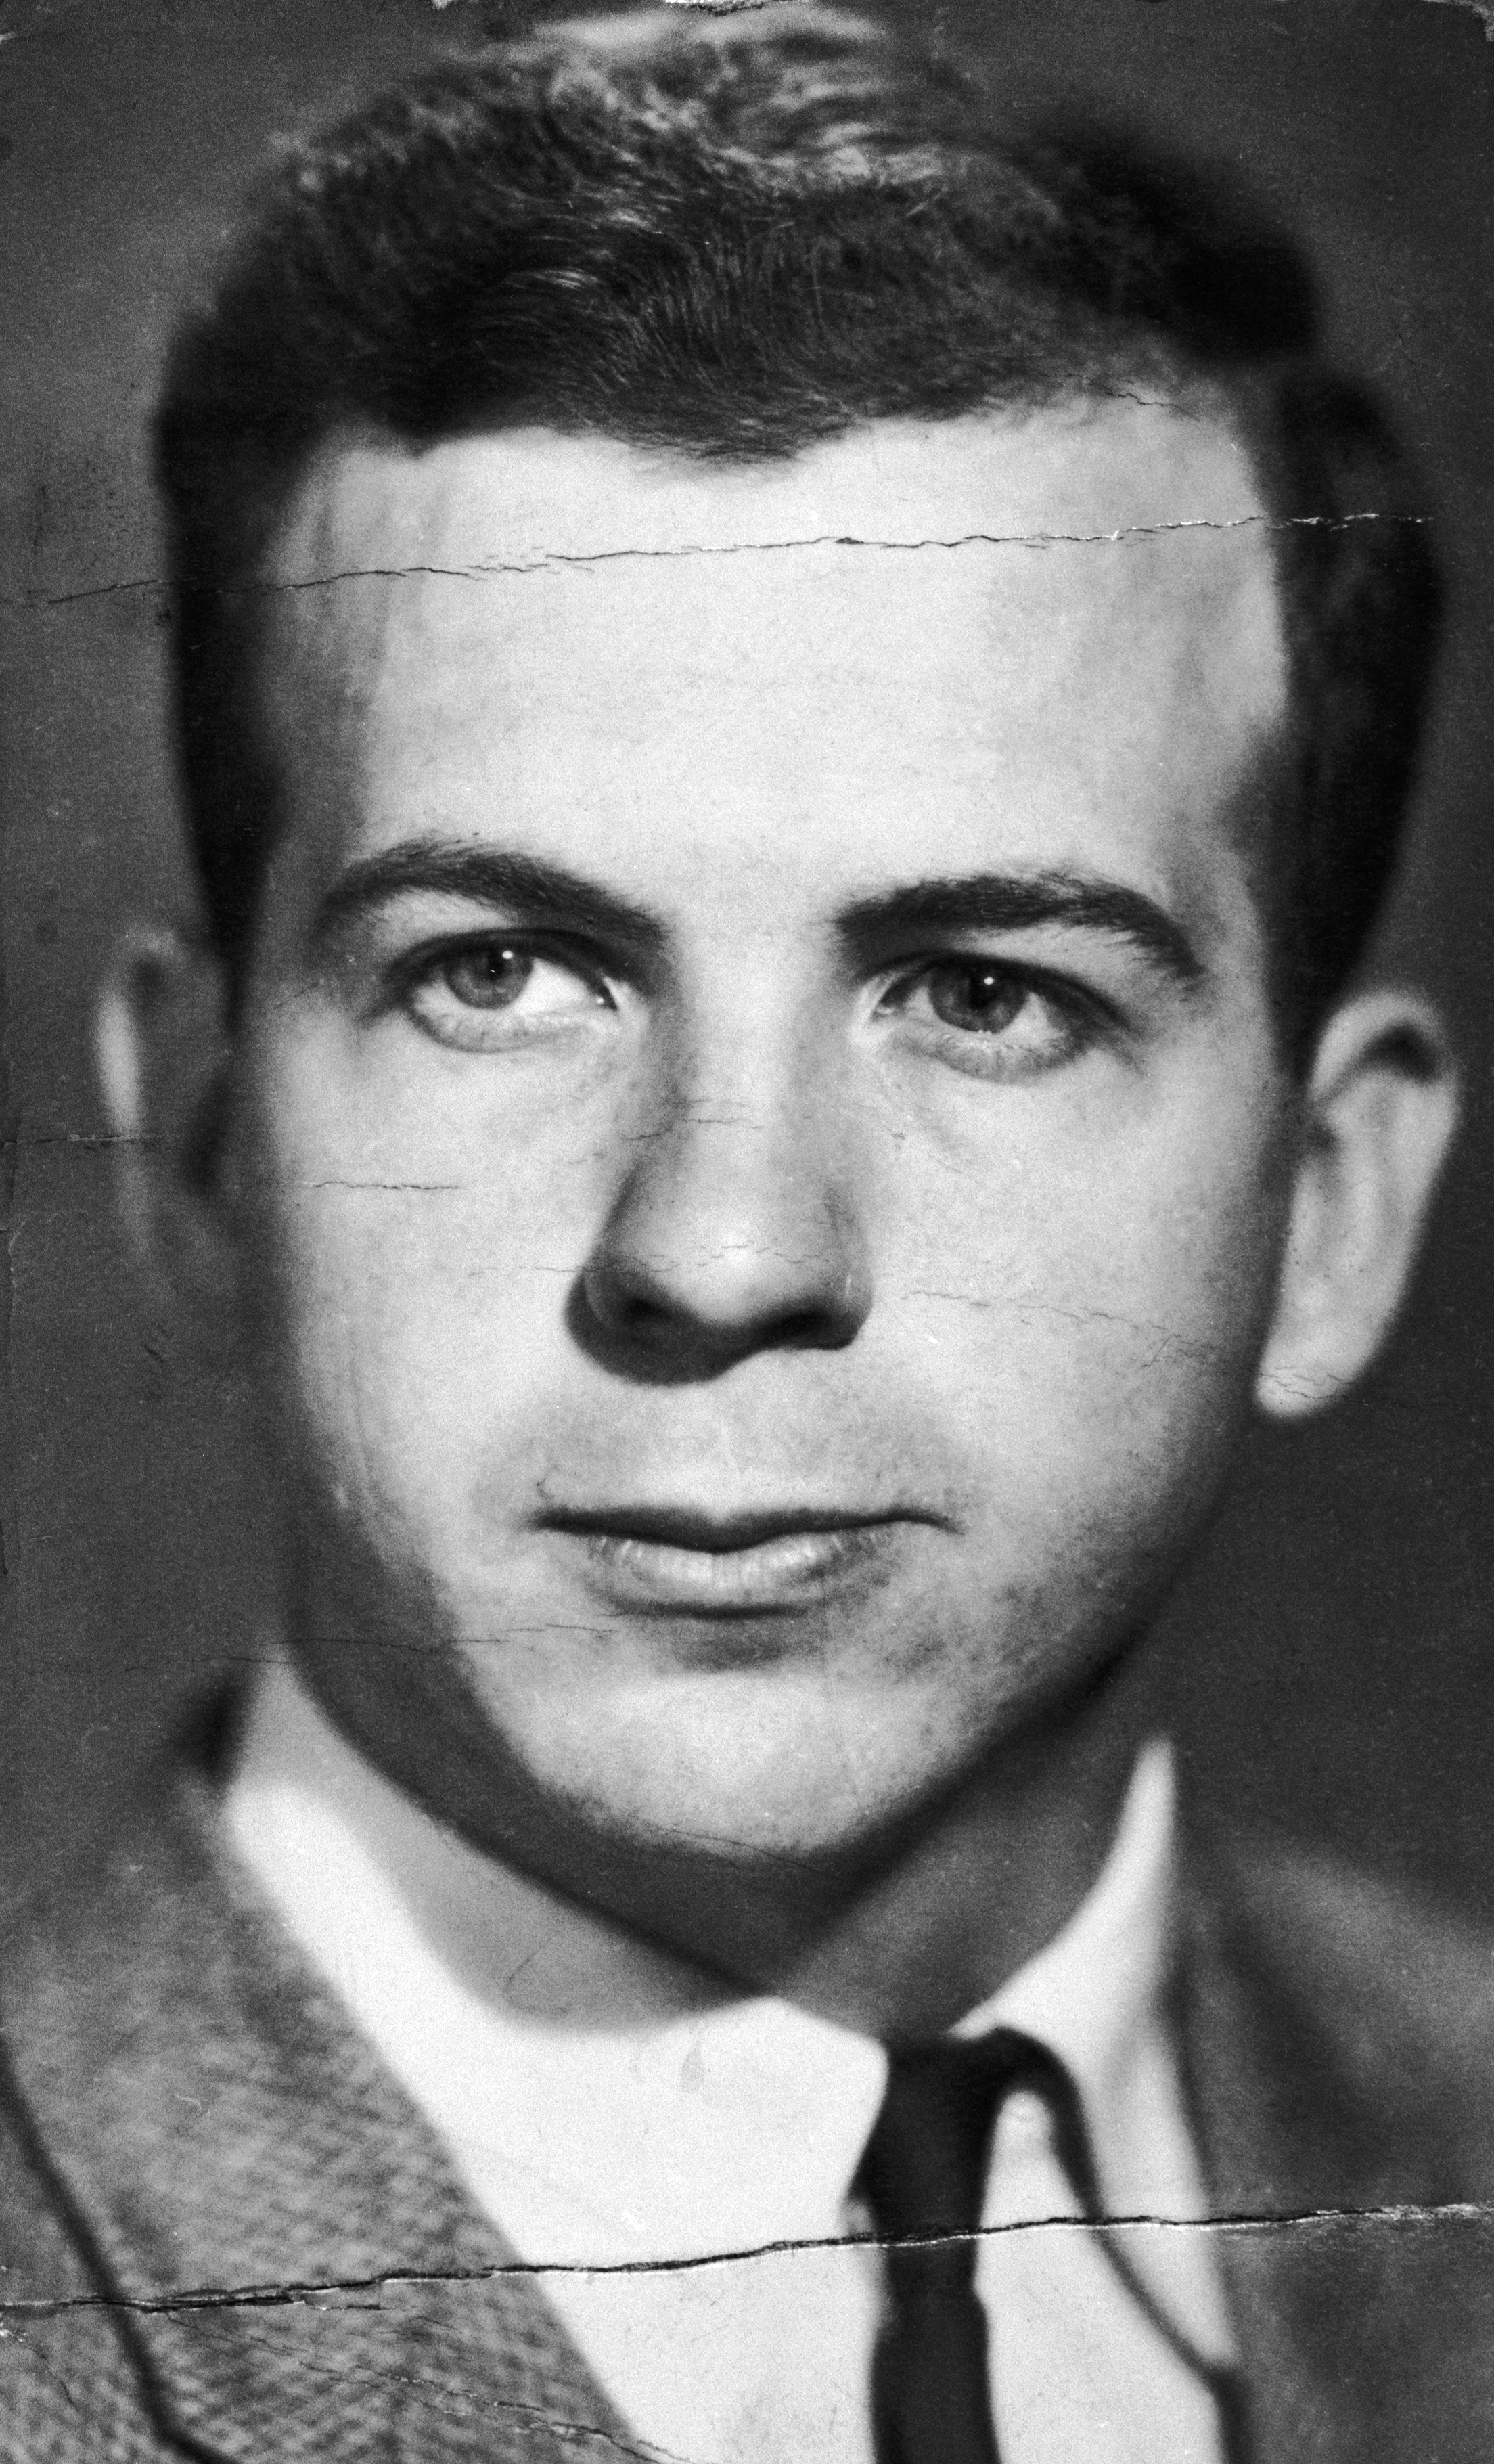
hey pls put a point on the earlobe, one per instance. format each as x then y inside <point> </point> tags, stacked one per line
<point>162,1052</point>
<point>1380,1112</point>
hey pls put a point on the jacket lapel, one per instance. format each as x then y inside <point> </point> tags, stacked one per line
<point>302,2276</point>
<point>1349,2146</point>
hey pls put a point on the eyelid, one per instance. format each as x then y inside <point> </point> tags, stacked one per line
<point>583,957</point>
<point>1082,1018</point>
<point>1055,984</point>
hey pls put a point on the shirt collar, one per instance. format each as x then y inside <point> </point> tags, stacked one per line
<point>1095,1994</point>
<point>609,2102</point>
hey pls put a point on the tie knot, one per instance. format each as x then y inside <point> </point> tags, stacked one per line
<point>925,2165</point>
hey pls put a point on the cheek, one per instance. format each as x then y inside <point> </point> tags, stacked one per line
<point>409,1277</point>
<point>1096,1297</point>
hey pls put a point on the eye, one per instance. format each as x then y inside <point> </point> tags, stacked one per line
<point>481,993</point>
<point>979,999</point>
<point>990,1018</point>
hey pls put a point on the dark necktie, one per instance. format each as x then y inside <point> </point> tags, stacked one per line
<point>923,2178</point>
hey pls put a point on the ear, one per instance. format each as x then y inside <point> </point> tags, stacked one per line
<point>1379,1111</point>
<point>163,1052</point>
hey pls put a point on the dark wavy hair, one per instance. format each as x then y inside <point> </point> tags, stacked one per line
<point>732,238</point>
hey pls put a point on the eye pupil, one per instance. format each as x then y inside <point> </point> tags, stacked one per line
<point>980,999</point>
<point>489,977</point>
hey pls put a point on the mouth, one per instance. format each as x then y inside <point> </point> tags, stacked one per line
<point>675,1560</point>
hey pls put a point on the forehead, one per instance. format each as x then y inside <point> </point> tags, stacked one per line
<point>1045,629</point>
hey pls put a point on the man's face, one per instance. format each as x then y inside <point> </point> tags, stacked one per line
<point>760,1156</point>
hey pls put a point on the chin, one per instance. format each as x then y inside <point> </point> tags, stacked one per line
<point>757,1760</point>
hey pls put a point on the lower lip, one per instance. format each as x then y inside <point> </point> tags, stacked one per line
<point>788,1571</point>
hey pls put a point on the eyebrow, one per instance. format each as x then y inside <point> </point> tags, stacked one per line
<point>547,893</point>
<point>543,893</point>
<point>998,902</point>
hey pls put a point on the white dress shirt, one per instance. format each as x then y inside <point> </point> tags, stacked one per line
<point>609,2107</point>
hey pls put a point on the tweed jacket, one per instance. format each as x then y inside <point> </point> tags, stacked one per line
<point>225,2234</point>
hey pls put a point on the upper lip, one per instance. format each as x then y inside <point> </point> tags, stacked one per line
<point>682,1526</point>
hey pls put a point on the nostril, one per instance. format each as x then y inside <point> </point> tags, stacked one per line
<point>625,1295</point>
<point>634,1311</point>
<point>820,1330</point>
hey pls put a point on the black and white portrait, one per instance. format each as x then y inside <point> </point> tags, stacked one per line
<point>747,1153</point>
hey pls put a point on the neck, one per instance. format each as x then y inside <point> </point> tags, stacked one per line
<point>979,1890</point>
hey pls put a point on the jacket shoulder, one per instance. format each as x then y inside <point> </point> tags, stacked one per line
<point>1389,1965</point>
<point>68,2390</point>
<point>1362,2015</point>
<point>40,2261</point>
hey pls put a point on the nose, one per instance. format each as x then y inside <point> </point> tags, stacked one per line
<point>734,1231</point>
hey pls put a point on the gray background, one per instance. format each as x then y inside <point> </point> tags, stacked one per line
<point>1333,1642</point>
